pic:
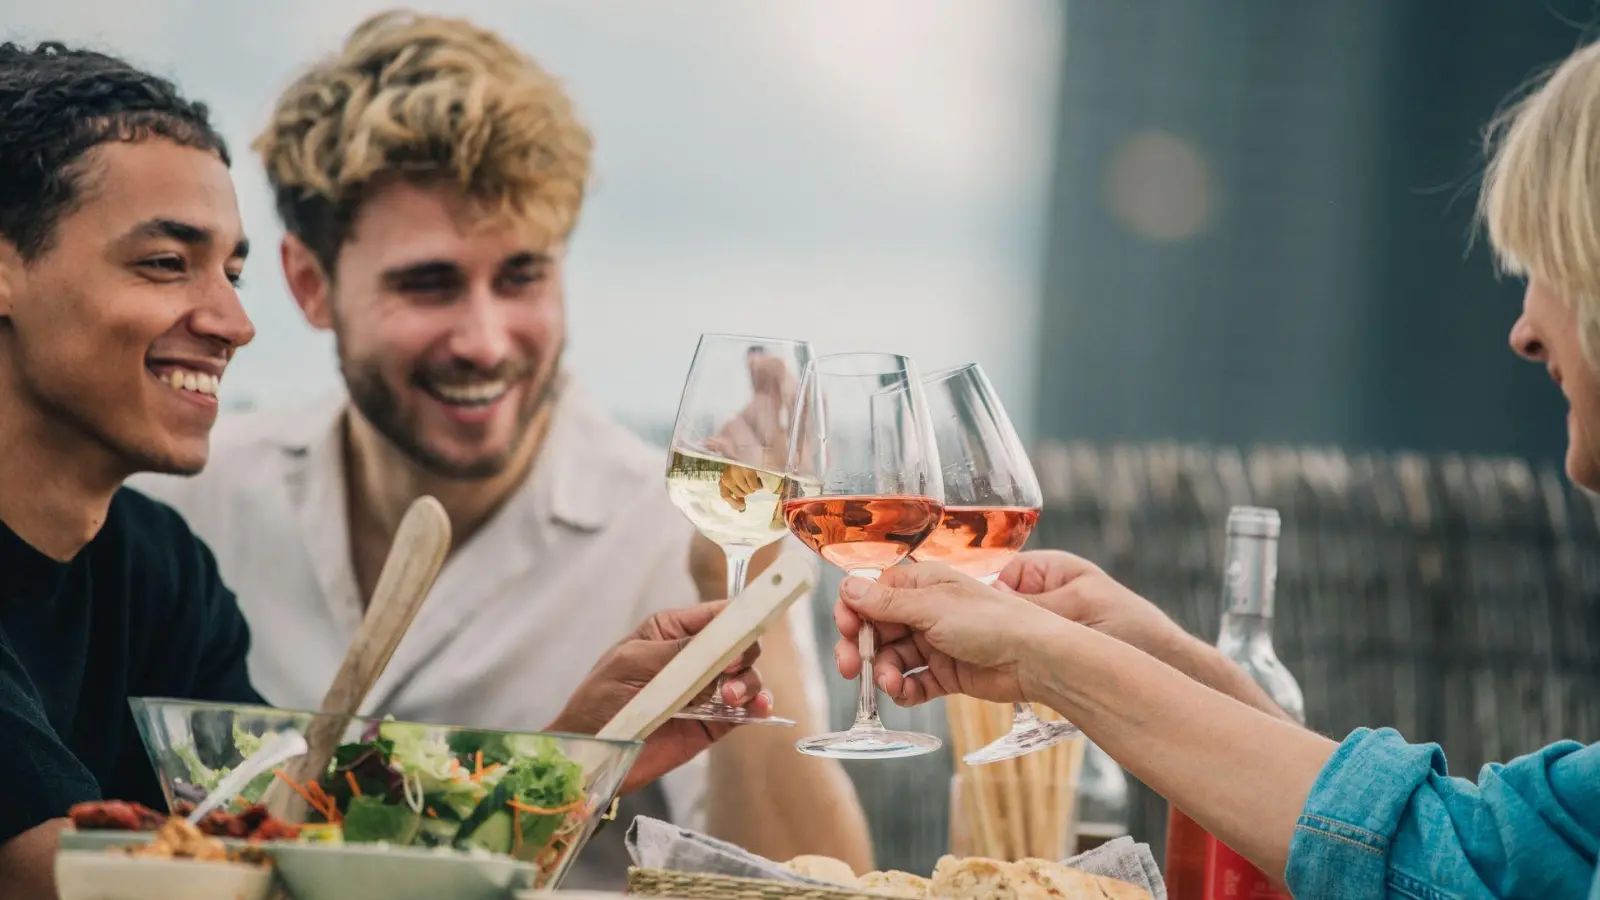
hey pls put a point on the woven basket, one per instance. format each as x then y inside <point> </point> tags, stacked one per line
<point>692,886</point>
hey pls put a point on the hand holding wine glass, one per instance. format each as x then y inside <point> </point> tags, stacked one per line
<point>992,502</point>
<point>729,445</point>
<point>863,491</point>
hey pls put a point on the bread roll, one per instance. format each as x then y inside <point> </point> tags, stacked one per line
<point>823,868</point>
<point>895,883</point>
<point>1075,884</point>
<point>978,878</point>
<point>1122,890</point>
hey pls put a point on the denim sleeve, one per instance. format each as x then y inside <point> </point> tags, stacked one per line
<point>1385,819</point>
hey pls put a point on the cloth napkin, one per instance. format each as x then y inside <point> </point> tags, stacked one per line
<point>1123,860</point>
<point>654,844</point>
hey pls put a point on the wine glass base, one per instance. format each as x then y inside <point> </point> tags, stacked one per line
<point>869,743</point>
<point>730,715</point>
<point>1022,741</point>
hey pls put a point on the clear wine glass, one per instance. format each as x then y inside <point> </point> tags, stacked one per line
<point>863,491</point>
<point>725,468</point>
<point>992,502</point>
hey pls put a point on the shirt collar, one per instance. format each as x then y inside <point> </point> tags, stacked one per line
<point>28,572</point>
<point>573,463</point>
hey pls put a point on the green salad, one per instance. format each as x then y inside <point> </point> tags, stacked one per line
<point>406,784</point>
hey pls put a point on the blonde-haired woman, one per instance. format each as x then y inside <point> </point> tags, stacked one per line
<point>1373,815</point>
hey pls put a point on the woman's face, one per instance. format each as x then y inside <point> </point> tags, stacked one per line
<point>1547,332</point>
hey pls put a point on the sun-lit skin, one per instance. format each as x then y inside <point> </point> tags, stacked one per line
<point>1547,332</point>
<point>114,340</point>
<point>449,327</point>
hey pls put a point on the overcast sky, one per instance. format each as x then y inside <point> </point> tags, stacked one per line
<point>867,176</point>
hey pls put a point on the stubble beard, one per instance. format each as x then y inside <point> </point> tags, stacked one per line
<point>379,403</point>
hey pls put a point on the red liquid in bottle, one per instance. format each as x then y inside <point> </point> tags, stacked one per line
<point>1198,866</point>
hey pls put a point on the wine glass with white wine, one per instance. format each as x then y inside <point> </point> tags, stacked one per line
<point>729,449</point>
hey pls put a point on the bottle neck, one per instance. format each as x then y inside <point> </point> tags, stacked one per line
<point>1250,575</point>
<point>1244,628</point>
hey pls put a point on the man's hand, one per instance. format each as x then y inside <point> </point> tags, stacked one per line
<point>632,663</point>
<point>27,862</point>
<point>759,434</point>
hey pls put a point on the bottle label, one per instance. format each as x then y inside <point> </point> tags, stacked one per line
<point>1230,877</point>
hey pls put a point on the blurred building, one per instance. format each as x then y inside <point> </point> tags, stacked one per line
<point>1261,221</point>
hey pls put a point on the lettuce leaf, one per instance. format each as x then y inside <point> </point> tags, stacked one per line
<point>369,820</point>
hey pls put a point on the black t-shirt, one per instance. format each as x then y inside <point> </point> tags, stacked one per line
<point>140,612</point>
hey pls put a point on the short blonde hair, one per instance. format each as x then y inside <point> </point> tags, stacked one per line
<point>429,100</point>
<point>1541,191</point>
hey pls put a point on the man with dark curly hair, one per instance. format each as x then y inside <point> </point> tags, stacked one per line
<point>120,249</point>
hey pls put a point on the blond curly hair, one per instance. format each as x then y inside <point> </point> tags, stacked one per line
<point>429,100</point>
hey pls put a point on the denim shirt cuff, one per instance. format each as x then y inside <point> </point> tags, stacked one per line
<point>1341,841</point>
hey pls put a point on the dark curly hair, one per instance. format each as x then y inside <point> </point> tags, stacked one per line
<point>57,104</point>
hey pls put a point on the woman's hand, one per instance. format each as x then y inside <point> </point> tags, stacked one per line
<point>1076,589</point>
<point>972,638</point>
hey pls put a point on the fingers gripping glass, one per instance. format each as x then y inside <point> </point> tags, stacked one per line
<point>992,502</point>
<point>729,449</point>
<point>863,491</point>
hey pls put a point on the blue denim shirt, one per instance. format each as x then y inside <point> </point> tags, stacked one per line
<point>1385,819</point>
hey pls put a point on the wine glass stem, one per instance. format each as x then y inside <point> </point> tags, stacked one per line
<point>867,643</point>
<point>867,703</point>
<point>738,567</point>
<point>738,559</point>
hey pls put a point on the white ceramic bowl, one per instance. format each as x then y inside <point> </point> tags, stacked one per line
<point>100,875</point>
<point>381,872</point>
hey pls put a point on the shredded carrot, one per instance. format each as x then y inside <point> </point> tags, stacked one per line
<point>541,811</point>
<point>330,810</point>
<point>355,789</point>
<point>305,794</point>
<point>477,763</point>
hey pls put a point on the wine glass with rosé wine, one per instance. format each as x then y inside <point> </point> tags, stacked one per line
<point>863,491</point>
<point>991,503</point>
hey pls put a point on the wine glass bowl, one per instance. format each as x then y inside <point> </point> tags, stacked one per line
<point>863,491</point>
<point>992,502</point>
<point>729,447</point>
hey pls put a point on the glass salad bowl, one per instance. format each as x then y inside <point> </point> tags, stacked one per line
<point>534,797</point>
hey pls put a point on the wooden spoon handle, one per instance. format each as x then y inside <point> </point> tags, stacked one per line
<point>729,634</point>
<point>420,545</point>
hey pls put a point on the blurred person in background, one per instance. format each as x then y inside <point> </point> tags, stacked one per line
<point>1372,815</point>
<point>429,177</point>
<point>120,249</point>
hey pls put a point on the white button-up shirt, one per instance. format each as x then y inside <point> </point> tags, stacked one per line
<point>582,552</point>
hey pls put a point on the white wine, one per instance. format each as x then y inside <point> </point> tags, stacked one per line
<point>733,505</point>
